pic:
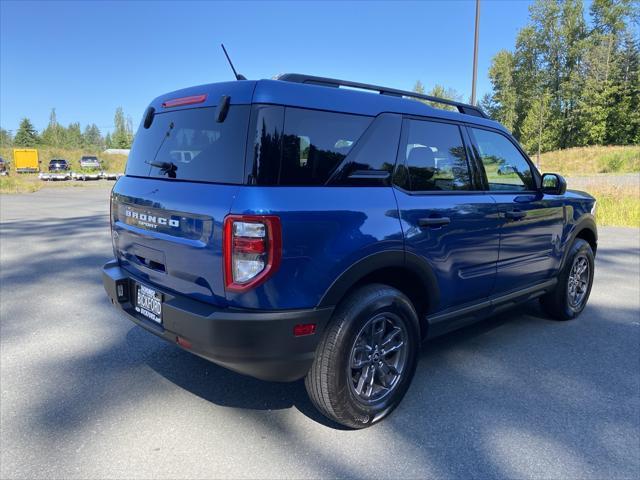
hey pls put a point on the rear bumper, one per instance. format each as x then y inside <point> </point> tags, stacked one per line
<point>260,344</point>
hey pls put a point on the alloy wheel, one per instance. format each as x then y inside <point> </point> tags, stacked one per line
<point>378,358</point>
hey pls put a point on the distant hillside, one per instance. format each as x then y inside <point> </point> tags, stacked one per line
<point>591,160</point>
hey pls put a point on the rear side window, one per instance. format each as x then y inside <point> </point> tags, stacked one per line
<point>434,157</point>
<point>314,144</point>
<point>190,145</point>
<point>505,167</point>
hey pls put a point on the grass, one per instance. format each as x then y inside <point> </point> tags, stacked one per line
<point>584,161</point>
<point>19,184</point>
<point>617,206</point>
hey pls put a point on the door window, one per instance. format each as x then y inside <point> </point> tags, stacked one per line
<point>434,157</point>
<point>505,167</point>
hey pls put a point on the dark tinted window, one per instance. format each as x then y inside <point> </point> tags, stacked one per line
<point>315,143</point>
<point>265,144</point>
<point>505,167</point>
<point>375,152</point>
<point>434,156</point>
<point>193,144</point>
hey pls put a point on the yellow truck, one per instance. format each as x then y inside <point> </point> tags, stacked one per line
<point>25,160</point>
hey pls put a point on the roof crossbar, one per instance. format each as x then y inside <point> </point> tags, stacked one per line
<point>332,82</point>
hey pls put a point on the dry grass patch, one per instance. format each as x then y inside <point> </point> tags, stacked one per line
<point>19,184</point>
<point>592,160</point>
<point>617,205</point>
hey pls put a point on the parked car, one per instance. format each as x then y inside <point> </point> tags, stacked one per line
<point>4,167</point>
<point>506,170</point>
<point>322,232</point>
<point>89,162</point>
<point>59,165</point>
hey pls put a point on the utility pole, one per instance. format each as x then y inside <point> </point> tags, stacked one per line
<point>475,55</point>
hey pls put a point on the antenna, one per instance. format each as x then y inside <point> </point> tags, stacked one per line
<point>238,76</point>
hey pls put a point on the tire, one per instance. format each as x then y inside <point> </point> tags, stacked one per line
<point>377,327</point>
<point>561,303</point>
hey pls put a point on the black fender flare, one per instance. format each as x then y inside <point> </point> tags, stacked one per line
<point>377,261</point>
<point>585,222</point>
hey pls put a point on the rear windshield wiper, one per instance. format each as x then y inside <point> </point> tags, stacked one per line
<point>166,168</point>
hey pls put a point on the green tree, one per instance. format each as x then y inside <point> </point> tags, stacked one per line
<point>122,136</point>
<point>92,137</point>
<point>502,106</point>
<point>107,141</point>
<point>538,138</point>
<point>6,140</point>
<point>26,136</point>
<point>440,92</point>
<point>580,77</point>
<point>73,136</point>
<point>54,134</point>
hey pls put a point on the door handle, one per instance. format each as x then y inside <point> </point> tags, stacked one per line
<point>515,215</point>
<point>434,221</point>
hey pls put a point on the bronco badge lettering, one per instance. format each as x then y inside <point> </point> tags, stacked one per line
<point>151,221</point>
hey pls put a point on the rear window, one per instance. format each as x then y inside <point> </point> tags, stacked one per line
<point>192,145</point>
<point>296,146</point>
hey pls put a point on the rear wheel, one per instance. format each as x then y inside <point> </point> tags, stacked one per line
<point>570,295</point>
<point>367,357</point>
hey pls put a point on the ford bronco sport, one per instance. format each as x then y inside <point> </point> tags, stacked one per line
<point>293,228</point>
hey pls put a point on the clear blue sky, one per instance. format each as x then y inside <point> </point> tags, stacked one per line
<point>87,58</point>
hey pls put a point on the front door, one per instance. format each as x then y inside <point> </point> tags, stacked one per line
<point>446,219</point>
<point>532,223</point>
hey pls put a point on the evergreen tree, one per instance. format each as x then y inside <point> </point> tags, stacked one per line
<point>54,134</point>
<point>92,137</point>
<point>504,102</point>
<point>26,136</point>
<point>73,137</point>
<point>6,140</point>
<point>583,82</point>
<point>122,136</point>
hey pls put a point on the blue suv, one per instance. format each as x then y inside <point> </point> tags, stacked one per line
<point>307,227</point>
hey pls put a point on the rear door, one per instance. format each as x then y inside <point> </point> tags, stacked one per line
<point>168,210</point>
<point>531,223</point>
<point>446,219</point>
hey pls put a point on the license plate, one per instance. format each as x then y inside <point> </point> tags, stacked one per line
<point>149,303</point>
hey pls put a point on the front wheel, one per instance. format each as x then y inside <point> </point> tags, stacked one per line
<point>569,297</point>
<point>367,357</point>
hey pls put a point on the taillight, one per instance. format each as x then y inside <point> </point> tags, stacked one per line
<point>252,247</point>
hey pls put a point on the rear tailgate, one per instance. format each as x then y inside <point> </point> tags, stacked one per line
<point>167,234</point>
<point>183,172</point>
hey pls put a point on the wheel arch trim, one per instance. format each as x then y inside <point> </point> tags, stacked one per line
<point>379,261</point>
<point>586,222</point>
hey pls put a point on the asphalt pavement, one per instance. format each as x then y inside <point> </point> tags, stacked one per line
<point>86,394</point>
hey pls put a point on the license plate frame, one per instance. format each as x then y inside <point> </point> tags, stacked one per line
<point>148,303</point>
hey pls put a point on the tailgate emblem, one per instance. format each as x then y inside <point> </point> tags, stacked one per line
<point>151,221</point>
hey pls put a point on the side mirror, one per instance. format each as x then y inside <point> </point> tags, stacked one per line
<point>553,184</point>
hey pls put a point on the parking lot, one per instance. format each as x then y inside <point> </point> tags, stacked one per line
<point>86,394</point>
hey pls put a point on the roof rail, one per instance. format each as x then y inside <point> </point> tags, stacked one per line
<point>332,82</point>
